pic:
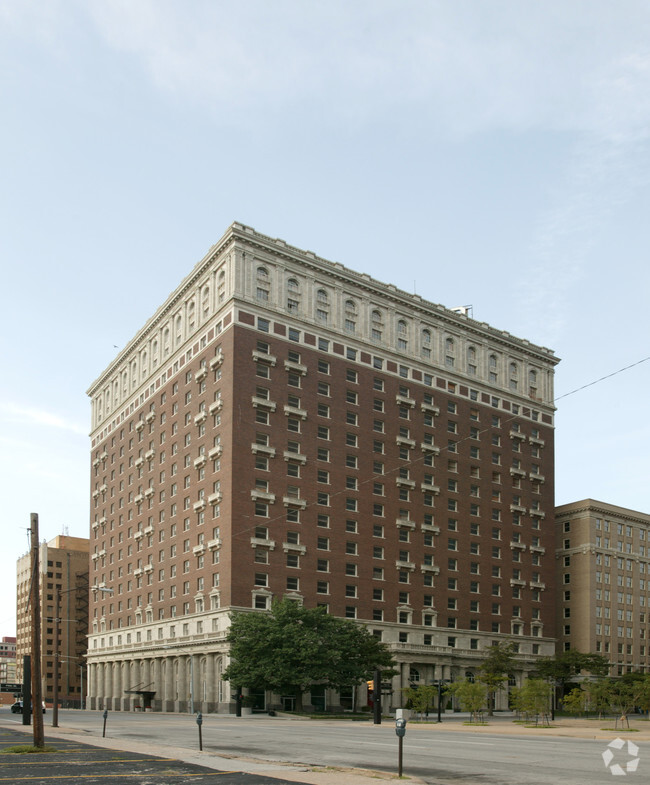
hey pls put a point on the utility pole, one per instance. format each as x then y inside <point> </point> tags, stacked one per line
<point>27,689</point>
<point>35,610</point>
<point>55,686</point>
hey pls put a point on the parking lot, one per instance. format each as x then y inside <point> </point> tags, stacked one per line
<point>73,763</point>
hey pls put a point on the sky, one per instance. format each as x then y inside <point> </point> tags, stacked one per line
<point>493,154</point>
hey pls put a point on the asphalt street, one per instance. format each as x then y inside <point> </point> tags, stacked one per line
<point>436,755</point>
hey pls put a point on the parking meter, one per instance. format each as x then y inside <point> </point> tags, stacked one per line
<point>199,722</point>
<point>400,727</point>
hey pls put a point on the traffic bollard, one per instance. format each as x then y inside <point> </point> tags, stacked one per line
<point>105,715</point>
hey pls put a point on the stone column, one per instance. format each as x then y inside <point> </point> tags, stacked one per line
<point>108,686</point>
<point>182,693</point>
<point>91,676</point>
<point>211,681</point>
<point>155,677</point>
<point>168,691</point>
<point>126,685</point>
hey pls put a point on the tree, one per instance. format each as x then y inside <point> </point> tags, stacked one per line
<point>494,670</point>
<point>421,698</point>
<point>566,665</point>
<point>626,695</point>
<point>598,695</point>
<point>471,694</point>
<point>535,697</point>
<point>576,701</point>
<point>292,648</point>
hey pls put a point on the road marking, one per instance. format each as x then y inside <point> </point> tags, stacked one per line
<point>68,778</point>
<point>416,747</point>
<point>9,762</point>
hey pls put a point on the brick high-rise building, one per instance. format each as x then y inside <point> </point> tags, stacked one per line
<point>603,583</point>
<point>63,566</point>
<point>285,426</point>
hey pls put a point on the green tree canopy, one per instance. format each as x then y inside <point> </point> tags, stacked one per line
<point>292,648</point>
<point>566,665</point>
<point>535,697</point>
<point>494,670</point>
<point>421,698</point>
<point>472,695</point>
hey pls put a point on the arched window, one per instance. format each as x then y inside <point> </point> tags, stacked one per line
<point>425,343</point>
<point>450,351</point>
<point>350,324</point>
<point>322,306</point>
<point>205,300</point>
<point>514,374</point>
<point>402,334</point>
<point>414,675</point>
<point>471,361</point>
<point>191,316</point>
<point>493,366</point>
<point>178,334</point>
<point>470,676</point>
<point>263,284</point>
<point>532,383</point>
<point>376,331</point>
<point>293,296</point>
<point>221,286</point>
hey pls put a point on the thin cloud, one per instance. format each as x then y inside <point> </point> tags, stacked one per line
<point>40,417</point>
<point>467,66</point>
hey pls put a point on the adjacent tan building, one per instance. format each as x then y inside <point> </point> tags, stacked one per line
<point>286,426</point>
<point>603,582</point>
<point>63,566</point>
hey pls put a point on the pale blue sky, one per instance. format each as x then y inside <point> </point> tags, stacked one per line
<point>486,153</point>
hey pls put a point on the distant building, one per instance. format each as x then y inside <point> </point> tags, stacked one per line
<point>603,581</point>
<point>8,671</point>
<point>283,426</point>
<point>8,648</point>
<point>64,567</point>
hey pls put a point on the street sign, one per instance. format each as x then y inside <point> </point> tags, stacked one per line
<point>8,687</point>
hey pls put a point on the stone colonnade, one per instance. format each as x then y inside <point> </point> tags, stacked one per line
<point>179,683</point>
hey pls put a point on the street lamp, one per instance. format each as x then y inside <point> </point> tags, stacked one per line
<point>57,622</point>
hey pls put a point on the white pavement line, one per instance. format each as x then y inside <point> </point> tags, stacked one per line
<point>417,747</point>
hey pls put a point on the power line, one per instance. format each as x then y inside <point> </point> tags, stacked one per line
<point>602,379</point>
<point>442,449</point>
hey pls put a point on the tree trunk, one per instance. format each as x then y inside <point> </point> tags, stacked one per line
<point>298,700</point>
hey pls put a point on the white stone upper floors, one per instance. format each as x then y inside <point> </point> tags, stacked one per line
<point>275,278</point>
